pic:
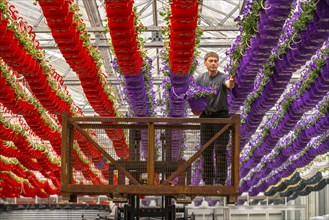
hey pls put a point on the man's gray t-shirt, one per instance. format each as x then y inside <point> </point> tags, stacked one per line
<point>217,102</point>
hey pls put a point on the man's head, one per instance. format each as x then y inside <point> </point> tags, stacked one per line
<point>211,62</point>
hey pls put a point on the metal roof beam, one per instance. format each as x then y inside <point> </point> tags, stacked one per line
<point>214,10</point>
<point>96,21</point>
<point>231,2</point>
<point>144,8</point>
<point>156,24</point>
<point>229,15</point>
<point>242,4</point>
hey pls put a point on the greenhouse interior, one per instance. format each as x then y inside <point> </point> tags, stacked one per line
<point>74,145</point>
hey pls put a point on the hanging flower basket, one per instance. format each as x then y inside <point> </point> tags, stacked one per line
<point>120,10</point>
<point>181,35</point>
<point>182,44</point>
<point>325,73</point>
<point>117,3</point>
<point>181,70</point>
<point>64,21</point>
<point>322,9</point>
<point>124,42</point>
<point>187,52</point>
<point>7,38</point>
<point>117,22</point>
<point>183,24</point>
<point>118,34</point>
<point>60,7</point>
<point>129,57</point>
<point>185,11</point>
<point>3,25</point>
<point>51,3</point>
<point>198,104</point>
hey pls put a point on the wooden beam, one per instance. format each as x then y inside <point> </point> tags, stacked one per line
<point>66,152</point>
<point>150,119</point>
<point>150,154</point>
<point>152,190</point>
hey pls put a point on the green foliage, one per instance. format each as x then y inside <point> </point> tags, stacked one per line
<point>325,52</point>
<point>249,25</point>
<point>306,16</point>
<point>3,5</point>
<point>324,108</point>
<point>165,14</point>
<point>312,76</point>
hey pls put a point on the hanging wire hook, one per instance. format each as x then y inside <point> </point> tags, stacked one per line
<point>13,11</point>
<point>178,96</point>
<point>262,5</point>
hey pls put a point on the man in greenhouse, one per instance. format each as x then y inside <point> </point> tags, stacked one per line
<point>217,107</point>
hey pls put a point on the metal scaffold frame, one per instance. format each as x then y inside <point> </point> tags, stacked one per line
<point>70,190</point>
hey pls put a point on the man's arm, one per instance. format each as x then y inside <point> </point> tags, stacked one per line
<point>198,80</point>
<point>230,83</point>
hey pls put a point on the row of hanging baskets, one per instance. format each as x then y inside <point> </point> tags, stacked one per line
<point>261,44</point>
<point>76,54</point>
<point>19,58</point>
<point>291,58</point>
<point>24,107</point>
<point>69,34</point>
<point>14,186</point>
<point>123,31</point>
<point>121,22</point>
<point>308,99</point>
<point>183,23</point>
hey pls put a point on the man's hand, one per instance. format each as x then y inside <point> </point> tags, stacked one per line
<point>232,78</point>
<point>231,82</point>
<point>198,113</point>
